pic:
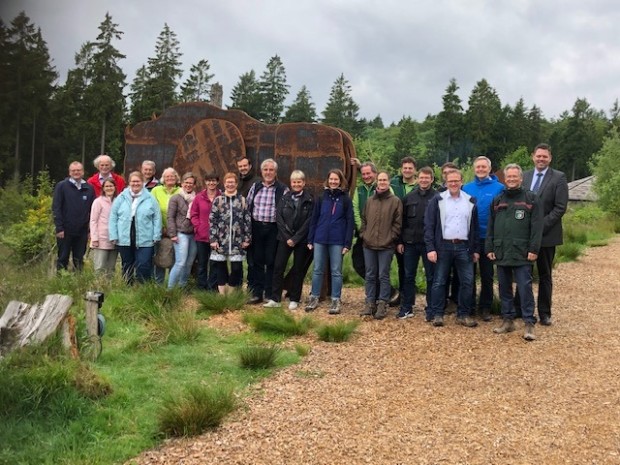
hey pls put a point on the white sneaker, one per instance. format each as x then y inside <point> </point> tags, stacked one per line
<point>293,305</point>
<point>272,304</point>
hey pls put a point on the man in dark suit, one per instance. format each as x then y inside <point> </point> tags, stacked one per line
<point>552,188</point>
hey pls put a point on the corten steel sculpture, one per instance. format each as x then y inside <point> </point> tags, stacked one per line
<point>201,138</point>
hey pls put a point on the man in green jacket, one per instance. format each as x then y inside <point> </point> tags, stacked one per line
<point>514,235</point>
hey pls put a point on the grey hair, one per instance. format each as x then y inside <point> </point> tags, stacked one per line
<point>269,160</point>
<point>97,160</point>
<point>149,163</point>
<point>513,166</point>
<point>298,174</point>
<point>170,170</point>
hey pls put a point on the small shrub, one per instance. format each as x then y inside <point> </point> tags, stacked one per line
<point>215,303</point>
<point>569,251</point>
<point>340,331</point>
<point>277,321</point>
<point>258,357</point>
<point>198,409</point>
<point>302,349</point>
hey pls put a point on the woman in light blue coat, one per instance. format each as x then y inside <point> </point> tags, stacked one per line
<point>135,226</point>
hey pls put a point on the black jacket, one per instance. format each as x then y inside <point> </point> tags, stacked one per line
<point>414,208</point>
<point>294,221</point>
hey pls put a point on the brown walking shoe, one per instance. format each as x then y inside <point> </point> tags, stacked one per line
<point>507,326</point>
<point>529,332</point>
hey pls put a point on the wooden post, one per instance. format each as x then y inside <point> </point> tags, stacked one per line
<point>92,309</point>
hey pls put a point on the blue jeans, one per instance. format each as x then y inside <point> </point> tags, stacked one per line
<point>523,278</point>
<point>458,255</point>
<point>185,250</point>
<point>411,258</point>
<point>378,271</point>
<point>137,261</point>
<point>321,252</point>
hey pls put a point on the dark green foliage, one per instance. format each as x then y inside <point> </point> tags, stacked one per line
<point>278,321</point>
<point>198,409</point>
<point>258,357</point>
<point>196,88</point>
<point>604,166</point>
<point>302,110</point>
<point>450,126</point>
<point>341,331</point>
<point>42,381</point>
<point>273,89</point>
<point>246,96</point>
<point>405,144</point>
<point>341,110</point>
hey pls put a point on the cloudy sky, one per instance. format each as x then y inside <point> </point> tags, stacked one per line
<point>398,56</point>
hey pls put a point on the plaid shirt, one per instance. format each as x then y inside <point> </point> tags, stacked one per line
<point>264,203</point>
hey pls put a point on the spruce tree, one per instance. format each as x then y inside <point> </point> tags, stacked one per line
<point>197,87</point>
<point>302,109</point>
<point>341,110</point>
<point>273,89</point>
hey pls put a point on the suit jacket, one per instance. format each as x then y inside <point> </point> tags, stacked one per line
<point>553,194</point>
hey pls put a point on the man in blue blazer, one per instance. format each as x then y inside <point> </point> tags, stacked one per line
<point>552,188</point>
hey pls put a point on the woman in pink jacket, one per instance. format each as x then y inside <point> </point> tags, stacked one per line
<point>104,251</point>
<point>199,214</point>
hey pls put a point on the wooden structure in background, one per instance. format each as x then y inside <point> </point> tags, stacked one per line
<point>200,137</point>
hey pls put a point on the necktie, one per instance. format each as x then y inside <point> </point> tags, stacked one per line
<point>537,183</point>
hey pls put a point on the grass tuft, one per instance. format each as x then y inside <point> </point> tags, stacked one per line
<point>175,327</point>
<point>257,357</point>
<point>197,410</point>
<point>569,251</point>
<point>340,331</point>
<point>149,300</point>
<point>277,321</point>
<point>302,349</point>
<point>215,303</point>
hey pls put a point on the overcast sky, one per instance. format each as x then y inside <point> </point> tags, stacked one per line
<point>398,56</point>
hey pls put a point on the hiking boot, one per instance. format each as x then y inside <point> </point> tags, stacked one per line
<point>382,310</point>
<point>404,314</point>
<point>486,314</point>
<point>466,321</point>
<point>272,304</point>
<point>529,332</point>
<point>394,298</point>
<point>438,320</point>
<point>335,307</point>
<point>369,309</point>
<point>312,303</point>
<point>507,326</point>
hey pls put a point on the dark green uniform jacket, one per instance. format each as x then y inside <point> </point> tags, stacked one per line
<point>515,227</point>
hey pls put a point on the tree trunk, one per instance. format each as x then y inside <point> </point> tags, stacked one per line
<point>16,159</point>
<point>34,132</point>
<point>23,324</point>
<point>103,128</point>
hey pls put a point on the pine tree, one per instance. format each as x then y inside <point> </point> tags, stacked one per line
<point>481,119</point>
<point>449,125</point>
<point>246,96</point>
<point>273,89</point>
<point>27,87</point>
<point>156,89</point>
<point>341,110</point>
<point>302,109</point>
<point>407,138</point>
<point>197,87</point>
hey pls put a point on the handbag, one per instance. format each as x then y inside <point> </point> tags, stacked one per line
<point>164,256</point>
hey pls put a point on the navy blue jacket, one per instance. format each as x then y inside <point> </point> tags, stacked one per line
<point>332,219</point>
<point>71,207</point>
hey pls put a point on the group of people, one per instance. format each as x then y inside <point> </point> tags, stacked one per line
<point>456,231</point>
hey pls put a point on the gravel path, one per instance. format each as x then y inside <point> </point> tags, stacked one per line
<point>404,392</point>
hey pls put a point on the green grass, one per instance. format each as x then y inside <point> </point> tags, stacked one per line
<point>213,303</point>
<point>258,357</point>
<point>278,321</point>
<point>56,410</point>
<point>196,410</point>
<point>341,331</point>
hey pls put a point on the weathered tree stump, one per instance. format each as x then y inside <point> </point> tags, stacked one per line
<point>22,324</point>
